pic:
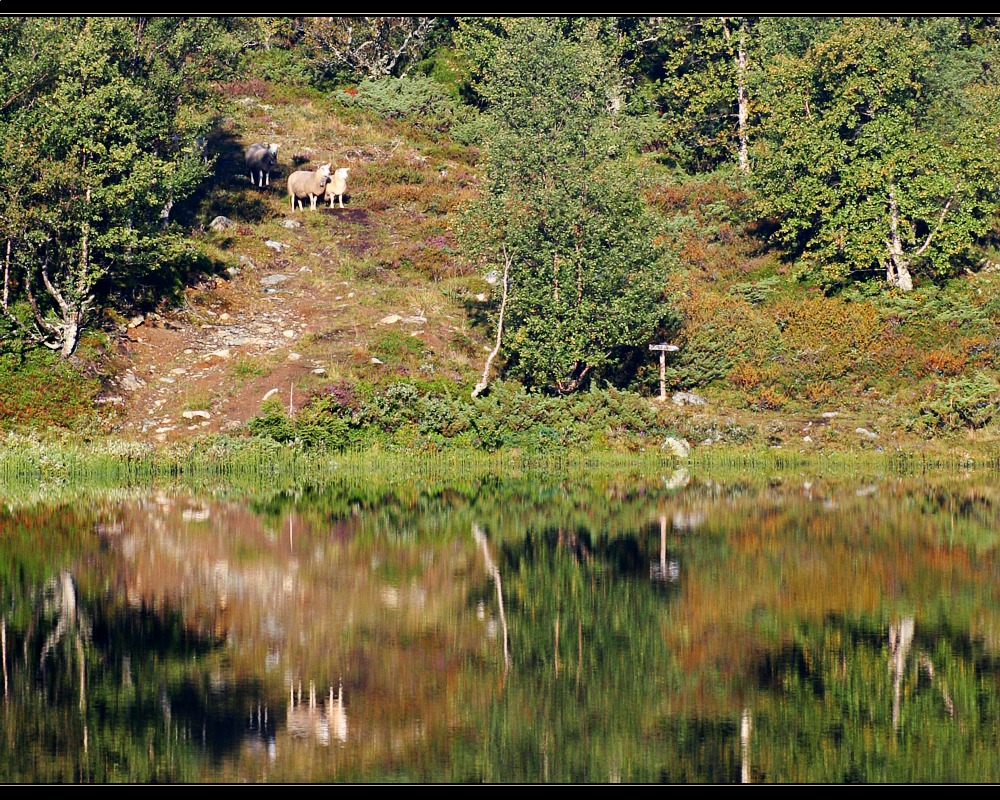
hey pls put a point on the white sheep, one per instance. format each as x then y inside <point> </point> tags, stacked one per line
<point>304,184</point>
<point>262,158</point>
<point>337,186</point>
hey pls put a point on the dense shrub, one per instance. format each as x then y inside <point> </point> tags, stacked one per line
<point>416,98</point>
<point>390,409</point>
<point>963,403</point>
<point>273,422</point>
<point>830,337</point>
<point>318,425</point>
<point>406,415</point>
<point>718,332</point>
<point>446,416</point>
<point>40,390</point>
<point>943,362</point>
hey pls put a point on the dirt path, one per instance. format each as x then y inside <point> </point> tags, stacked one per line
<point>208,366</point>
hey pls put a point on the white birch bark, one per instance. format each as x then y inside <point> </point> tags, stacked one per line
<point>742,103</point>
<point>897,265</point>
<point>484,382</point>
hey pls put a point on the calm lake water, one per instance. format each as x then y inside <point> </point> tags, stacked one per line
<point>631,628</point>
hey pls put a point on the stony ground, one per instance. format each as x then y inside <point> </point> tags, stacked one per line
<point>305,297</point>
<point>198,370</point>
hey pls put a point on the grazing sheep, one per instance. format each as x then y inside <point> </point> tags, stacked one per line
<point>337,186</point>
<point>262,158</point>
<point>304,184</point>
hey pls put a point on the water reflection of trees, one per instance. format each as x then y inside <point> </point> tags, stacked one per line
<point>856,699</point>
<point>756,630</point>
<point>589,670</point>
<point>103,692</point>
<point>97,688</point>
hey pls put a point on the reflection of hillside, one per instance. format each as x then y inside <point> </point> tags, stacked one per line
<point>333,623</point>
<point>751,630</point>
<point>760,560</point>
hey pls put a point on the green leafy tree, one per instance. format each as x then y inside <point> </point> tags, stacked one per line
<point>703,68</point>
<point>99,141</point>
<point>581,287</point>
<point>875,153</point>
<point>623,42</point>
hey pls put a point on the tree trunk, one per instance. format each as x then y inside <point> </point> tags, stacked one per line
<point>573,382</point>
<point>900,639</point>
<point>70,337</point>
<point>481,386</point>
<point>6,278</point>
<point>742,104</point>
<point>746,725</point>
<point>494,571</point>
<point>743,111</point>
<point>897,268</point>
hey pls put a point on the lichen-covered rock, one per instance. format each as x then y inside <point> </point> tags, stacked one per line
<point>679,447</point>
<point>688,399</point>
<point>221,223</point>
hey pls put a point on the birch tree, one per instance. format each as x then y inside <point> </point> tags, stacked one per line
<point>367,47</point>
<point>869,166</point>
<point>582,283</point>
<point>705,70</point>
<point>96,144</point>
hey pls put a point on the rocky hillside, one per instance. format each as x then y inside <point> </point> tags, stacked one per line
<point>299,300</point>
<point>292,304</point>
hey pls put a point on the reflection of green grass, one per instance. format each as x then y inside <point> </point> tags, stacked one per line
<point>243,552</point>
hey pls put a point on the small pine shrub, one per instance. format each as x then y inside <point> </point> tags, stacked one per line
<point>273,422</point>
<point>391,409</point>
<point>756,293</point>
<point>318,427</point>
<point>416,98</point>
<point>963,403</point>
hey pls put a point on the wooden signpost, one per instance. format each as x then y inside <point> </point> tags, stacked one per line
<point>663,348</point>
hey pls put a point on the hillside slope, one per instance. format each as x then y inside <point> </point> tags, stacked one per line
<point>306,299</point>
<point>301,303</point>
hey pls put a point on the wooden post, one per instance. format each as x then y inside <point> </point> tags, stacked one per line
<point>663,348</point>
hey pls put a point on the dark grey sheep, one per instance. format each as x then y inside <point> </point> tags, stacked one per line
<point>262,158</point>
